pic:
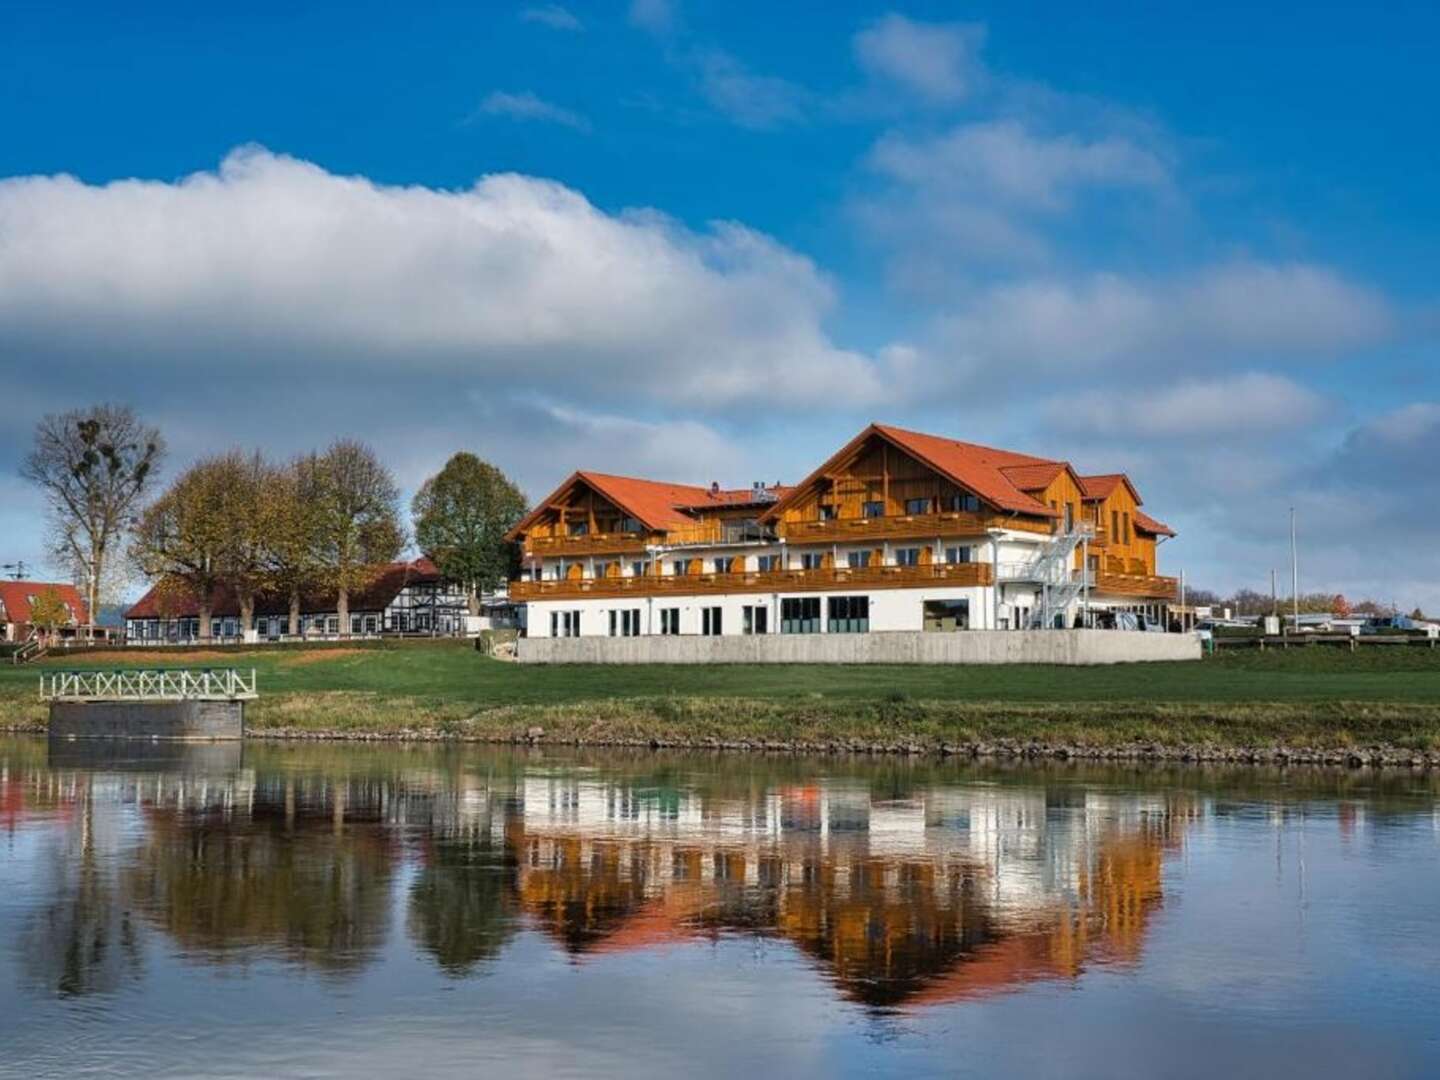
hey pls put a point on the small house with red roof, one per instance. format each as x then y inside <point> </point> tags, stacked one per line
<point>897,530</point>
<point>411,597</point>
<point>20,600</point>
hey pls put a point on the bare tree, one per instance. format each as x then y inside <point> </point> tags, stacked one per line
<point>94,467</point>
<point>294,551</point>
<point>183,538</point>
<point>251,511</point>
<point>358,520</point>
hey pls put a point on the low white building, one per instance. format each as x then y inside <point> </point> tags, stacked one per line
<point>896,531</point>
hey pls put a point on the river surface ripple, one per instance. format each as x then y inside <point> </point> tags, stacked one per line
<point>336,910</point>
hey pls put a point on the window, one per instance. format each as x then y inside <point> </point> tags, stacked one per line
<point>670,621</point>
<point>637,568</point>
<point>578,528</point>
<point>625,622</point>
<point>873,509</point>
<point>724,564</point>
<point>680,567</point>
<point>811,560</point>
<point>565,624</point>
<point>907,556</point>
<point>849,614</point>
<point>946,615</point>
<point>1115,525</point>
<point>959,554</point>
<point>857,560</point>
<point>767,563</point>
<point>332,624</point>
<point>370,624</point>
<point>756,619</point>
<point>710,622</point>
<point>355,624</point>
<point>827,512</point>
<point>1125,520</point>
<point>963,502</point>
<point>917,506</point>
<point>1069,517</point>
<point>603,568</point>
<point>800,615</point>
<point>628,525</point>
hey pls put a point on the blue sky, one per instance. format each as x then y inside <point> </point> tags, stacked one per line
<point>702,240</point>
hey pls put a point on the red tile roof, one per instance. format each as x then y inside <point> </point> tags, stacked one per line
<point>1101,485</point>
<point>1033,477</point>
<point>976,468</point>
<point>657,505</point>
<point>1002,478</point>
<point>15,599</point>
<point>164,601</point>
<point>1145,523</point>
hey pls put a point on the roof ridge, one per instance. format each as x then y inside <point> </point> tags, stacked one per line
<point>1030,459</point>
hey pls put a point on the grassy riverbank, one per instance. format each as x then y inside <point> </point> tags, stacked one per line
<point>1316,697</point>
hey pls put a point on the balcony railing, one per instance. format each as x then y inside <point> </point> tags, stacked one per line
<point>842,577</point>
<point>910,526</point>
<point>1152,586</point>
<point>589,544</point>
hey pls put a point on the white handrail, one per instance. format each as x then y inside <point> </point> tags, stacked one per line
<point>160,684</point>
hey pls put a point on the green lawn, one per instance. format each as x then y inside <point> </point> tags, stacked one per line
<point>453,671</point>
<point>1317,695</point>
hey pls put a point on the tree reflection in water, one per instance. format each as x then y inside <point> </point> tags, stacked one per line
<point>904,884</point>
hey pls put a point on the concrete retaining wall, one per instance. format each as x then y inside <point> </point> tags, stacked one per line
<point>895,647</point>
<point>147,720</point>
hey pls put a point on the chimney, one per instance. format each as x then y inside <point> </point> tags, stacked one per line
<point>714,487</point>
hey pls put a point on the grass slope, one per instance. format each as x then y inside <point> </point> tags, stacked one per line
<point>1319,696</point>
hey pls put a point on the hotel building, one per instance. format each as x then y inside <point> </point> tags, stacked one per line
<point>897,530</point>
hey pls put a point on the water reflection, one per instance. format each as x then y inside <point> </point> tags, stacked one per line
<point>905,885</point>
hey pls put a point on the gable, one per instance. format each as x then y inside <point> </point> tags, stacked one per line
<point>882,455</point>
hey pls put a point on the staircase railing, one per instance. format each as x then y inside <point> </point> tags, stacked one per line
<point>32,648</point>
<point>1053,569</point>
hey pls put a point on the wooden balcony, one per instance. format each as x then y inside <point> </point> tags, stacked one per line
<point>946,575</point>
<point>590,544</point>
<point>904,527</point>
<point>1150,586</point>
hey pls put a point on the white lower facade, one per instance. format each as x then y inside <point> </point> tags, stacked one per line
<point>858,607</point>
<point>847,611</point>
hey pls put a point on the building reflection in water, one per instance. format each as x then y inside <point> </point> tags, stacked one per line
<point>903,895</point>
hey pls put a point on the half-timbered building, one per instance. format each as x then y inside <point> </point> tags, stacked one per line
<point>402,598</point>
<point>898,530</point>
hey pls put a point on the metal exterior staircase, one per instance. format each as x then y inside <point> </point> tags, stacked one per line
<point>1053,569</point>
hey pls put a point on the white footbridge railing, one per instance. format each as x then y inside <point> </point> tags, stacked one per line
<point>159,684</point>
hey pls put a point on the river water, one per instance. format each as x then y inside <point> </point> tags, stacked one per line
<point>335,910</point>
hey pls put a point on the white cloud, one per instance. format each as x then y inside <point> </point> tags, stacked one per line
<point>552,15</point>
<point>1107,320</point>
<point>1005,160</point>
<point>527,106</point>
<point>938,62</point>
<point>653,16</point>
<point>754,101</point>
<point>273,264</point>
<point>1251,402</point>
